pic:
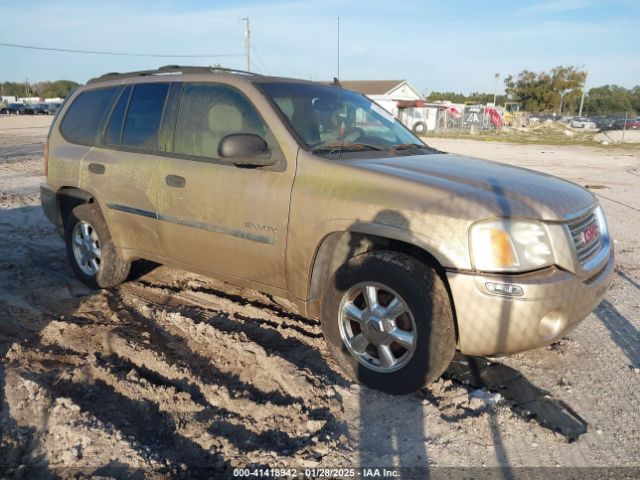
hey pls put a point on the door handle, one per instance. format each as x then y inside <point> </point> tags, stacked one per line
<point>96,168</point>
<point>175,181</point>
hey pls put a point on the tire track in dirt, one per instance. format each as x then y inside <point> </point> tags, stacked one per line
<point>244,351</point>
<point>176,380</point>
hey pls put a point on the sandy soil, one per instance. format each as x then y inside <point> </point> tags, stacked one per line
<point>173,374</point>
<point>618,136</point>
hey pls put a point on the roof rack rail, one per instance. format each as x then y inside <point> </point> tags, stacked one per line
<point>167,70</point>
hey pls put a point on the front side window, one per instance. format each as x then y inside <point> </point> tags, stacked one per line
<point>207,113</point>
<point>81,123</point>
<point>329,119</point>
<point>144,115</point>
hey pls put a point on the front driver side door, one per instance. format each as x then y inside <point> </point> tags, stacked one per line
<point>216,217</point>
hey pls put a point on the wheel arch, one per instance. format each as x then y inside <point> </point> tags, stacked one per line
<point>69,198</point>
<point>338,247</point>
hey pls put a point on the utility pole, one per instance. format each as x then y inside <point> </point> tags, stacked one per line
<point>338,48</point>
<point>495,90</point>
<point>582,99</point>
<point>247,42</point>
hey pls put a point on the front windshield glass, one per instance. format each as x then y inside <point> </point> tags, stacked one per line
<point>329,119</point>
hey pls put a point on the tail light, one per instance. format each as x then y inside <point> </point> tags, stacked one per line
<point>46,158</point>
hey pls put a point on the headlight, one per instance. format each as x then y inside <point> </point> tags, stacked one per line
<point>510,245</point>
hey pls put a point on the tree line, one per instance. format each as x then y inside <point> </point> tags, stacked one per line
<point>557,91</point>
<point>59,88</point>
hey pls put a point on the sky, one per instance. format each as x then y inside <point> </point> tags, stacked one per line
<point>437,46</point>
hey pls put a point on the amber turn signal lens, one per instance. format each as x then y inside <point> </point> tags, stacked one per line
<point>501,248</point>
<point>492,248</point>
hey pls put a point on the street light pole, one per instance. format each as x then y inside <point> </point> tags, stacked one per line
<point>495,90</point>
<point>338,48</point>
<point>582,99</point>
<point>247,42</point>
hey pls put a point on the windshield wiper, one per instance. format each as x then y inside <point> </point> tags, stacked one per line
<point>407,146</point>
<point>341,147</point>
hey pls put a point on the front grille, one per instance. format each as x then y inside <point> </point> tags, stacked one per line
<point>586,250</point>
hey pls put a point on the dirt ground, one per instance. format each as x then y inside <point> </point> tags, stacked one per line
<point>175,375</point>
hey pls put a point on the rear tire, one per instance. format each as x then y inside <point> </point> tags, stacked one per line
<point>93,257</point>
<point>406,340</point>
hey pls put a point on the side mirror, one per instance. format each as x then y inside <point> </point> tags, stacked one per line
<point>245,149</point>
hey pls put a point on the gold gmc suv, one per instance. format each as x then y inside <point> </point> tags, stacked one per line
<point>315,194</point>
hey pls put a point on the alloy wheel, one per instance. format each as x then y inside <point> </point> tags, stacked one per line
<point>377,327</point>
<point>86,248</point>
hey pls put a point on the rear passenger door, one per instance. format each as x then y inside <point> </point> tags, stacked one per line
<point>123,170</point>
<point>215,216</point>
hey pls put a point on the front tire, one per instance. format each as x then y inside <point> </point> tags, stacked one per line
<point>388,322</point>
<point>93,257</point>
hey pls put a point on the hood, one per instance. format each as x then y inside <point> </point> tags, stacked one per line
<point>502,189</point>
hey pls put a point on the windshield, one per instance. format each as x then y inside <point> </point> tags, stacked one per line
<point>329,119</point>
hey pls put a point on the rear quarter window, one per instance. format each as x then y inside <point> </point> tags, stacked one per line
<point>114,127</point>
<point>81,124</point>
<point>144,116</point>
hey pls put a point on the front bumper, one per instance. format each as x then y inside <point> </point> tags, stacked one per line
<point>554,302</point>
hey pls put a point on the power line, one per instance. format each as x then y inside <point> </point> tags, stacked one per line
<point>121,54</point>
<point>264,67</point>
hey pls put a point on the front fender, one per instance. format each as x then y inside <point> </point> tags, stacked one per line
<point>331,242</point>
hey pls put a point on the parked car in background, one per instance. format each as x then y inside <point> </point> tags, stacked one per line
<point>582,122</point>
<point>28,109</point>
<point>601,121</point>
<point>14,109</point>
<point>540,118</point>
<point>53,108</point>
<point>609,123</point>
<point>614,123</point>
<point>40,108</point>
<point>633,123</point>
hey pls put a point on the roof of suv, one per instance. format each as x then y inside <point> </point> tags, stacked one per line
<point>173,70</point>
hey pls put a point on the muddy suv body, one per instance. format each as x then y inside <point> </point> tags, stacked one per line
<point>315,195</point>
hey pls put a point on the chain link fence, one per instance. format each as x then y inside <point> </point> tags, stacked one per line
<point>456,118</point>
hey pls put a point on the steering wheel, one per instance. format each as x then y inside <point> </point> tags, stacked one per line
<point>351,131</point>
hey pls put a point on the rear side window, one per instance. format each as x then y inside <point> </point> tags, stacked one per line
<point>114,127</point>
<point>82,122</point>
<point>144,115</point>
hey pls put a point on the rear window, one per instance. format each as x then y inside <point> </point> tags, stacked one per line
<point>82,122</point>
<point>144,115</point>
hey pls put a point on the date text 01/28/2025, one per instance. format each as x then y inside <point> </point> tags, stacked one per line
<point>317,472</point>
